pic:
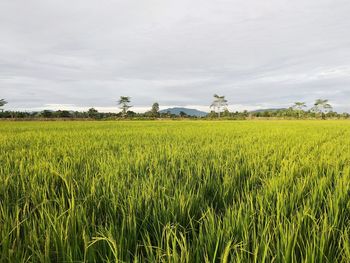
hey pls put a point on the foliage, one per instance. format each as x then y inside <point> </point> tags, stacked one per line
<point>219,103</point>
<point>2,103</point>
<point>155,109</point>
<point>299,105</point>
<point>321,106</point>
<point>93,113</point>
<point>183,114</point>
<point>321,110</point>
<point>252,191</point>
<point>124,105</point>
<point>226,115</point>
<point>154,112</point>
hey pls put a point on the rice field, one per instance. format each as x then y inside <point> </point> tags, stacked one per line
<point>175,191</point>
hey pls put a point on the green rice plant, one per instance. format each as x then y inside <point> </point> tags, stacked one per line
<point>175,191</point>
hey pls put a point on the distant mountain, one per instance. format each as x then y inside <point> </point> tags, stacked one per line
<point>264,110</point>
<point>190,112</point>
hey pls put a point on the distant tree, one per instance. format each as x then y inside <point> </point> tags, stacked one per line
<point>345,115</point>
<point>46,114</point>
<point>124,104</point>
<point>299,107</point>
<point>212,114</point>
<point>92,113</point>
<point>226,113</point>
<point>219,103</point>
<point>266,113</point>
<point>155,109</point>
<point>130,113</point>
<point>183,114</point>
<point>246,113</point>
<point>2,103</point>
<point>64,114</point>
<point>321,106</point>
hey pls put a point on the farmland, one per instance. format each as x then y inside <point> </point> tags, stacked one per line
<point>175,191</point>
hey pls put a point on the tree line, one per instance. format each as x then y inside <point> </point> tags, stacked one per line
<point>321,109</point>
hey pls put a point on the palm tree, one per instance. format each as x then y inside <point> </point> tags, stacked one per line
<point>2,103</point>
<point>219,103</point>
<point>299,106</point>
<point>124,104</point>
<point>321,106</point>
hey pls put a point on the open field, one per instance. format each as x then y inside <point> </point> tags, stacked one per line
<point>187,191</point>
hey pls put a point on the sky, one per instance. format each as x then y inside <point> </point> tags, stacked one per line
<point>62,54</point>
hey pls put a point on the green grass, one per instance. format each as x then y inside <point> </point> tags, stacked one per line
<point>192,191</point>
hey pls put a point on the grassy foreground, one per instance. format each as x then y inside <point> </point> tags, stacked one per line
<point>175,191</point>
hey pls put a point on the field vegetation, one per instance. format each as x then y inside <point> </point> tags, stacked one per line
<point>175,191</point>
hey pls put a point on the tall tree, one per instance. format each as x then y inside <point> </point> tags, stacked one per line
<point>299,105</point>
<point>155,109</point>
<point>2,103</point>
<point>124,104</point>
<point>219,103</point>
<point>92,113</point>
<point>321,106</point>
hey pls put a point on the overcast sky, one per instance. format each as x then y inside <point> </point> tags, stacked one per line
<point>76,54</point>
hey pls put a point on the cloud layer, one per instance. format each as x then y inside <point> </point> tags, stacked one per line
<point>84,53</point>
